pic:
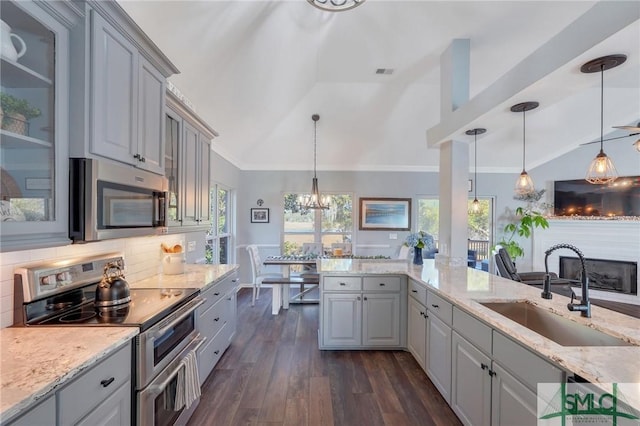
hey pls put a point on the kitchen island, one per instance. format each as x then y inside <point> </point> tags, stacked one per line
<point>466,290</point>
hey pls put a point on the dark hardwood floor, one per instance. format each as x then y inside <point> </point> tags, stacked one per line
<point>274,374</point>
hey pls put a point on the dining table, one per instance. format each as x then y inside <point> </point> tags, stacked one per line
<point>280,293</point>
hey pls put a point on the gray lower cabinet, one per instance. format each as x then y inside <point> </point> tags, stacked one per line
<point>494,378</point>
<point>438,361</point>
<point>102,395</point>
<point>362,312</point>
<point>471,385</point>
<point>41,415</point>
<point>417,331</point>
<point>99,396</point>
<point>216,323</point>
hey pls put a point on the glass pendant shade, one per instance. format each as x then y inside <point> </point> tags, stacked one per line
<point>524,184</point>
<point>601,170</point>
<point>475,205</point>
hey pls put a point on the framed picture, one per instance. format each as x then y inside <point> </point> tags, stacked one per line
<point>385,214</point>
<point>259,215</point>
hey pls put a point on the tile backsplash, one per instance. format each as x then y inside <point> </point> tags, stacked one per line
<point>142,259</point>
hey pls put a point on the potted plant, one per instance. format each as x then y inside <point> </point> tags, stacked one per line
<point>524,221</point>
<point>16,113</point>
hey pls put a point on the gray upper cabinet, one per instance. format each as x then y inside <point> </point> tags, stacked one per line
<point>34,135</point>
<point>127,100</point>
<point>187,163</point>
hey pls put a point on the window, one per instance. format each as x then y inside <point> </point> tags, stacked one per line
<point>479,228</point>
<point>218,247</point>
<point>334,225</point>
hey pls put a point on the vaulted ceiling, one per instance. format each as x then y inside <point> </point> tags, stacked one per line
<point>257,70</point>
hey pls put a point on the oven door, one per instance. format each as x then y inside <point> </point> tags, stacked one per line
<point>157,404</point>
<point>160,344</point>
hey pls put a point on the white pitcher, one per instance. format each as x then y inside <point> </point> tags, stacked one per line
<point>7,49</point>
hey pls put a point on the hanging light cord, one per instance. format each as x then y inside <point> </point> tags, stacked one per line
<point>524,133</point>
<point>601,108</point>
<point>315,139</point>
<point>475,164</point>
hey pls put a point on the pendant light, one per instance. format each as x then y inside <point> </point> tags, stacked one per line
<point>524,184</point>
<point>314,201</point>
<point>636,132</point>
<point>601,170</point>
<point>475,205</point>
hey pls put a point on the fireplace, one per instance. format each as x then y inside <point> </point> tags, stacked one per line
<point>607,275</point>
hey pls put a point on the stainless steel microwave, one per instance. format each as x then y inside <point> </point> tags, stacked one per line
<point>108,200</point>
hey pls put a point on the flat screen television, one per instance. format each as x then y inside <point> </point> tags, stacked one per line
<point>581,198</point>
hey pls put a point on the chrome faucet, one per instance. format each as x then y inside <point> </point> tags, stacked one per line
<point>584,306</point>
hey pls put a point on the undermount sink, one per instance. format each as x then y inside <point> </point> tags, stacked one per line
<point>552,326</point>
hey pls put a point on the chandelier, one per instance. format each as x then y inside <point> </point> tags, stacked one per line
<point>335,5</point>
<point>314,201</point>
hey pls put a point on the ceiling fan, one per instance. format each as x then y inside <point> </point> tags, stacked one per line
<point>635,131</point>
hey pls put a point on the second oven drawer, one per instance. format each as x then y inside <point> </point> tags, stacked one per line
<point>211,351</point>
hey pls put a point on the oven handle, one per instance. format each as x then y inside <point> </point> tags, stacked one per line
<point>157,389</point>
<point>193,305</point>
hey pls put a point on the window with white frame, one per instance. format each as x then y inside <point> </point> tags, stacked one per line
<point>334,225</point>
<point>219,237</point>
<point>479,228</point>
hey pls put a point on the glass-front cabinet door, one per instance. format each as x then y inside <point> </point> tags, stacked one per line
<point>34,126</point>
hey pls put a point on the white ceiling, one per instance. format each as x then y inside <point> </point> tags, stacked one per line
<point>258,70</point>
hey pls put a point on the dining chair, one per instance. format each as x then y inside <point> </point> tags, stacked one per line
<point>256,270</point>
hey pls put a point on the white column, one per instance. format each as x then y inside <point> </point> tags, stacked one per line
<point>454,155</point>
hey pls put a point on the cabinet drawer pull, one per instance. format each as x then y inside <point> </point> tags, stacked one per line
<point>216,293</point>
<point>414,291</point>
<point>435,306</point>
<point>382,284</point>
<point>343,284</point>
<point>216,352</point>
<point>492,373</point>
<point>107,382</point>
<point>365,298</point>
<point>216,319</point>
<point>235,280</point>
<point>358,298</point>
<point>484,366</point>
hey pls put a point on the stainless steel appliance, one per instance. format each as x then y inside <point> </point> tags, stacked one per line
<point>108,200</point>
<point>63,294</point>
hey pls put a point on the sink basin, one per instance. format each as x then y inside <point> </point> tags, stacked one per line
<point>552,326</point>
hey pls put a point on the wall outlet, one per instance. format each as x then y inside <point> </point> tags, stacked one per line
<point>191,246</point>
<point>393,236</point>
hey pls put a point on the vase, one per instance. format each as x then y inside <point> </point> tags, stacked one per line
<point>417,256</point>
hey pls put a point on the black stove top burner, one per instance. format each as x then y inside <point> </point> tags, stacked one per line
<point>147,306</point>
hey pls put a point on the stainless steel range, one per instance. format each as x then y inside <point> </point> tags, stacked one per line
<point>62,293</point>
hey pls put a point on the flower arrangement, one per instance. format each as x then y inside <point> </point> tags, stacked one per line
<point>420,240</point>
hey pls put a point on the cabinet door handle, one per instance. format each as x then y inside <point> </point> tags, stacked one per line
<point>435,306</point>
<point>107,382</point>
<point>492,373</point>
<point>365,298</point>
<point>216,352</point>
<point>216,319</point>
<point>143,159</point>
<point>137,156</point>
<point>484,366</point>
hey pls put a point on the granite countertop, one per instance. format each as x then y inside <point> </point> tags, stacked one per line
<point>466,287</point>
<point>195,276</point>
<point>36,360</point>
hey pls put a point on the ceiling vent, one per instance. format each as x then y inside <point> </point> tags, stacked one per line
<point>385,71</point>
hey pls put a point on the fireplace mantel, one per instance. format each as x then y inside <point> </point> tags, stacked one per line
<point>598,239</point>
